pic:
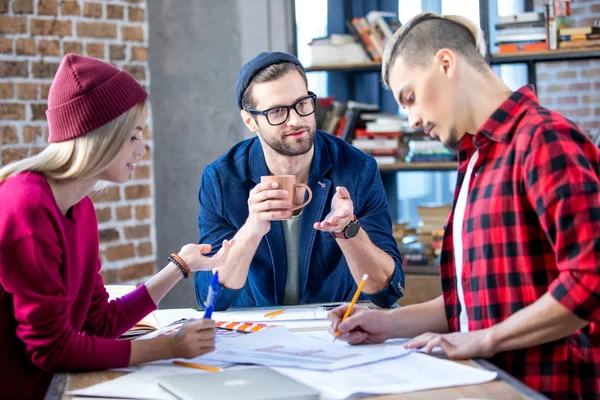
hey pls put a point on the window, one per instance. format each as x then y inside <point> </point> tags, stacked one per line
<point>311,22</point>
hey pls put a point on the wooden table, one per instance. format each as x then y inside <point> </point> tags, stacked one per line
<point>505,387</point>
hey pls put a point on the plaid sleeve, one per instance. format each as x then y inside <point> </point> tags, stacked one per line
<point>561,171</point>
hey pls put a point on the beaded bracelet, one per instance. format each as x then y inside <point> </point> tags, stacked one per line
<point>177,260</point>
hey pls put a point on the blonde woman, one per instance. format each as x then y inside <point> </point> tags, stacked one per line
<point>54,313</point>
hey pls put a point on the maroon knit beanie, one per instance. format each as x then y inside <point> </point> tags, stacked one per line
<point>87,93</point>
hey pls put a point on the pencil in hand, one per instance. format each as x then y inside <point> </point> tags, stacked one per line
<point>352,303</point>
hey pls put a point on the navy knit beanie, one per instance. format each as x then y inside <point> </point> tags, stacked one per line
<point>257,64</point>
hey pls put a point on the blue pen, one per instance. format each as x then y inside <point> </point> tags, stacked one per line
<point>211,297</point>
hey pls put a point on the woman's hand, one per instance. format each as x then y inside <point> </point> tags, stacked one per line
<point>194,338</point>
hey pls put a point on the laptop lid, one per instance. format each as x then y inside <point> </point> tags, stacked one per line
<point>240,384</point>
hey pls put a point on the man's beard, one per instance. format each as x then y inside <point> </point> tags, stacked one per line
<point>297,147</point>
<point>453,141</point>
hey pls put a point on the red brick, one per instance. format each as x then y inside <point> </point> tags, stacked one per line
<point>137,192</point>
<point>579,112</point>
<point>132,33</point>
<point>147,132</point>
<point>108,235</point>
<point>567,100</point>
<point>123,213</point>
<point>10,24</point>
<point>26,46</point>
<point>595,98</point>
<point>4,6</point>
<point>9,135</point>
<point>72,47</point>
<point>92,10</point>
<point>134,1</point>
<point>137,271</point>
<point>27,91</point>
<point>45,90</point>
<point>591,125</point>
<point>117,52</point>
<point>13,154</point>
<point>109,276</point>
<point>95,50</point>
<point>51,27</point>
<point>148,155</point>
<point>49,48</point>
<point>579,86</point>
<point>47,7</point>
<point>6,45</point>
<point>109,194</point>
<point>591,73</point>
<point>121,252</point>
<point>565,75</point>
<point>38,112</point>
<point>142,172</point>
<point>143,212</point>
<point>114,12</point>
<point>23,6</point>
<point>97,30</point>
<point>555,88</point>
<point>33,151</point>
<point>12,111</point>
<point>103,214</point>
<point>13,68</point>
<point>137,71</point>
<point>137,14</point>
<point>43,70</point>
<point>137,232</point>
<point>7,90</point>
<point>144,249</point>
<point>70,8</point>
<point>139,53</point>
<point>31,133</point>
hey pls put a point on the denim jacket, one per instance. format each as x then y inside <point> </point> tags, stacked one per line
<point>324,275</point>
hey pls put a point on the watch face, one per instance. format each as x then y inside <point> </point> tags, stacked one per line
<point>352,230</point>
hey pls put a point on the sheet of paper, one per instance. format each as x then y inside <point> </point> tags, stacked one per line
<point>168,316</point>
<point>137,385</point>
<point>279,347</point>
<point>271,315</point>
<point>411,373</point>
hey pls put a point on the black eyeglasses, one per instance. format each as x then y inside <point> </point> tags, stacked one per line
<point>280,114</point>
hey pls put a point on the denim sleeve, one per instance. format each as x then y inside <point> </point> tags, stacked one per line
<point>373,213</point>
<point>213,230</point>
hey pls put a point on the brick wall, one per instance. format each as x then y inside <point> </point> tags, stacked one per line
<point>34,35</point>
<point>573,87</point>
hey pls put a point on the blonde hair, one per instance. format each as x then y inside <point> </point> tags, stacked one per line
<point>426,33</point>
<point>84,156</point>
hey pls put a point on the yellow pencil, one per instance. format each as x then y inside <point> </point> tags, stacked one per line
<point>197,366</point>
<point>353,302</point>
<point>274,313</point>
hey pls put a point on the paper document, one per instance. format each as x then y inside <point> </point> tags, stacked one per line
<point>279,347</point>
<point>411,373</point>
<point>271,314</point>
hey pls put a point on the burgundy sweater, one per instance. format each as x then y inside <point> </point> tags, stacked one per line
<point>54,310</point>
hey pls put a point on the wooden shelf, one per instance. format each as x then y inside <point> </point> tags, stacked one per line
<point>363,67</point>
<point>547,55</point>
<point>425,166</point>
<point>495,59</point>
<point>430,269</point>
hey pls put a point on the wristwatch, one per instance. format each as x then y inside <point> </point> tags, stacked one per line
<point>349,231</point>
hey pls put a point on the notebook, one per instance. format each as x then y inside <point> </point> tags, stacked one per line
<point>240,384</point>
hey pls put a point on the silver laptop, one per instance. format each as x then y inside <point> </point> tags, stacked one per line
<point>240,384</point>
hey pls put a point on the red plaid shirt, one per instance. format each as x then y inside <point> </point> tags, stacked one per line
<point>531,226</point>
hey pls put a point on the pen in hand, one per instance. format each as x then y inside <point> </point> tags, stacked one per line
<point>352,303</point>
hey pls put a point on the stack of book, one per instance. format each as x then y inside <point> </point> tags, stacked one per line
<point>581,37</point>
<point>374,31</point>
<point>422,151</point>
<point>521,32</point>
<point>379,134</point>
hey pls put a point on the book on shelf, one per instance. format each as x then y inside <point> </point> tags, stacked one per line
<point>575,38</point>
<point>579,44</point>
<point>530,16</point>
<point>525,46</point>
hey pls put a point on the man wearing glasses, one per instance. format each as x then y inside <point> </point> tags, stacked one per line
<point>322,251</point>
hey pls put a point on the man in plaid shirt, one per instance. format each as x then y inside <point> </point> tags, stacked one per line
<point>521,252</point>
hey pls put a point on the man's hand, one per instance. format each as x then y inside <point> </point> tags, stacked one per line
<point>362,326</point>
<point>342,212</point>
<point>193,257</point>
<point>458,345</point>
<point>266,203</point>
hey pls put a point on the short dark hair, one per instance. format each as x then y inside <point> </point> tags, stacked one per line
<point>270,73</point>
<point>424,35</point>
